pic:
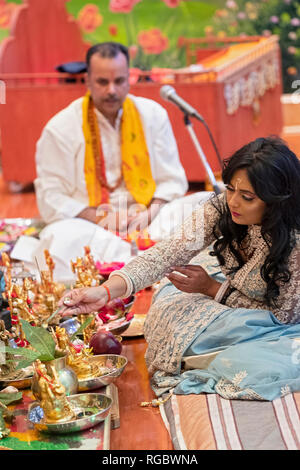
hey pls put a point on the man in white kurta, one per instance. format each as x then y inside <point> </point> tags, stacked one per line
<point>61,190</point>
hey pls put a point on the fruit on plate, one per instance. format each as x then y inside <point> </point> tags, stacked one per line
<point>104,342</point>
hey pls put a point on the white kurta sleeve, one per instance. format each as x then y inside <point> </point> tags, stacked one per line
<point>193,236</point>
<point>55,184</point>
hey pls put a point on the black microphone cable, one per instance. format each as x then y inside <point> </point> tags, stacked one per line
<point>213,143</point>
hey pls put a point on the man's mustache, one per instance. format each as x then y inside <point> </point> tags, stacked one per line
<point>111,98</point>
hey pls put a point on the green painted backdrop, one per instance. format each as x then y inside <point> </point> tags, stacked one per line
<point>153,28</point>
<point>163,26</point>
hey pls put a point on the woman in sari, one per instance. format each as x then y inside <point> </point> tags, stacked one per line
<point>239,301</point>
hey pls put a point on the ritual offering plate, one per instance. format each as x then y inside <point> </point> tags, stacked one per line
<point>136,327</point>
<point>110,366</point>
<point>116,327</point>
<point>89,408</point>
<point>116,315</point>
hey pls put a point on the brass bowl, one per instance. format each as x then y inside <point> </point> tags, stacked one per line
<point>90,409</point>
<point>20,384</point>
<point>115,362</point>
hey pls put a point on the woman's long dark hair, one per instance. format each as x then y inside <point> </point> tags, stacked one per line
<point>274,173</point>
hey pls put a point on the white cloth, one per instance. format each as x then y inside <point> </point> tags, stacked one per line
<point>65,239</point>
<point>61,189</point>
<point>60,184</point>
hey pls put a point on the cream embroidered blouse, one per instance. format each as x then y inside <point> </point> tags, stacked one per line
<point>195,235</point>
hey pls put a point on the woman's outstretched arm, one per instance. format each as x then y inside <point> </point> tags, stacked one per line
<point>91,299</point>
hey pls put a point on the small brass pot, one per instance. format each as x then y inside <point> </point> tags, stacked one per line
<point>67,377</point>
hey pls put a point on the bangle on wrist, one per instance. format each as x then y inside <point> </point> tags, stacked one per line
<point>223,288</point>
<point>227,294</point>
<point>108,292</point>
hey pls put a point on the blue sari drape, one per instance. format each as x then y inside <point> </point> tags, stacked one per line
<point>258,357</point>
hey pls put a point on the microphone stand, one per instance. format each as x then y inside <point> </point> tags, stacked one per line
<point>200,152</point>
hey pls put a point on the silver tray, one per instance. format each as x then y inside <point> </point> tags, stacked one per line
<point>90,409</point>
<point>23,381</point>
<point>117,363</point>
<point>117,330</point>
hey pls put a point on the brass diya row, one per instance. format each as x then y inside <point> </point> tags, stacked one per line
<point>38,348</point>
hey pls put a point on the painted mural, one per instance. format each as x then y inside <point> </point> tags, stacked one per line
<point>153,29</point>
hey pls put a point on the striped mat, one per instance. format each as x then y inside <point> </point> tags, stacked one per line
<point>210,422</point>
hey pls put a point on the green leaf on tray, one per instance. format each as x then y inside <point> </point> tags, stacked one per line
<point>26,362</point>
<point>7,398</point>
<point>41,340</point>
<point>20,352</point>
<point>21,357</point>
<point>81,328</point>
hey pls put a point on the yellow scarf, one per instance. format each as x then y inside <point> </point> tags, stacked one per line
<point>136,168</point>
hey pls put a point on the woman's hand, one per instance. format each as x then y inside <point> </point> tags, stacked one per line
<point>84,300</point>
<point>194,280</point>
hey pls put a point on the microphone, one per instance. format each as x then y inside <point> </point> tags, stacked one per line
<point>168,93</point>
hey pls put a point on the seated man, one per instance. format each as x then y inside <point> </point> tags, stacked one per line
<point>110,159</point>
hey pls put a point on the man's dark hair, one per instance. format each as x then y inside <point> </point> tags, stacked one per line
<point>106,49</point>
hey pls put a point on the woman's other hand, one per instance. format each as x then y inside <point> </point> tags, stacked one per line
<point>193,279</point>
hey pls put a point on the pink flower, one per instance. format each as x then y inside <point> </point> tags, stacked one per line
<point>172,3</point>
<point>292,35</point>
<point>89,18</point>
<point>231,4</point>
<point>274,19</point>
<point>221,13</point>
<point>241,15</point>
<point>122,6</point>
<point>267,32</point>
<point>292,50</point>
<point>129,316</point>
<point>77,347</point>
<point>153,41</point>
<point>295,22</point>
<point>113,29</point>
<point>106,268</point>
<point>6,12</point>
